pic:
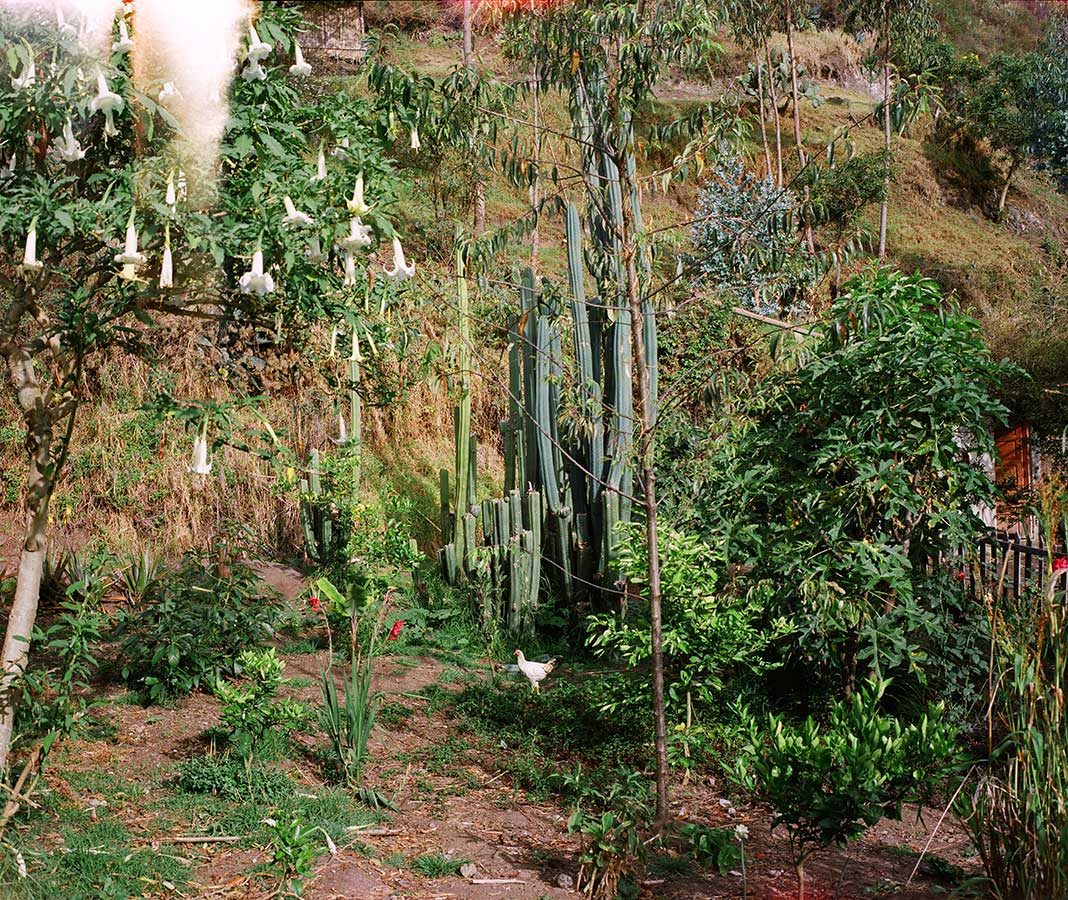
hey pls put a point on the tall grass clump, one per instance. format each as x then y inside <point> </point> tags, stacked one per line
<point>1018,812</point>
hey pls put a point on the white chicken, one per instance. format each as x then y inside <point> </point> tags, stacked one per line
<point>535,671</point>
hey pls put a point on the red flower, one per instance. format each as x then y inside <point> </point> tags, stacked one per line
<point>395,631</point>
<point>960,576</point>
<point>315,603</point>
<point>1060,564</point>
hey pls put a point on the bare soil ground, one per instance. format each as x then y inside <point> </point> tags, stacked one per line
<point>462,805</point>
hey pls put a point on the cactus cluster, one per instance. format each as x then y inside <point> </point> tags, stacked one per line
<point>569,470</point>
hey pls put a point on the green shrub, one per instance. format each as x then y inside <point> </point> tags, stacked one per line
<point>251,710</point>
<point>192,628</point>
<point>225,776</point>
<point>828,783</point>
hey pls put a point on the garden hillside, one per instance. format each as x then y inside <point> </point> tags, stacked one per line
<point>533,449</point>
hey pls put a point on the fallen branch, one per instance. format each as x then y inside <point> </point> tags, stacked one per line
<point>201,839</point>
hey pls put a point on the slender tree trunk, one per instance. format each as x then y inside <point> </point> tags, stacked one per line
<point>883,207</point>
<point>469,62</point>
<point>775,118</point>
<point>23,614</point>
<point>1005,188</point>
<point>797,114</point>
<point>647,471</point>
<point>763,114</point>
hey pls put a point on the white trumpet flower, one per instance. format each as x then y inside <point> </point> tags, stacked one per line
<point>350,270</point>
<point>171,198</point>
<point>169,91</point>
<point>293,215</point>
<point>341,150</point>
<point>129,257</point>
<point>106,102</point>
<point>356,205</point>
<point>299,68</point>
<point>415,139</point>
<point>320,167</point>
<point>166,269</point>
<point>257,49</point>
<point>256,281</point>
<point>67,147</point>
<point>356,355</point>
<point>314,251</point>
<point>31,265</point>
<point>253,72</point>
<point>358,238</point>
<point>28,79</point>
<point>124,44</point>
<point>401,270</point>
<point>342,430</point>
<point>200,466</point>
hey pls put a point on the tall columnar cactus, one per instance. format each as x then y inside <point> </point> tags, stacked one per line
<point>565,493</point>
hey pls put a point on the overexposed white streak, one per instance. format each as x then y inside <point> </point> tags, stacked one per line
<point>193,44</point>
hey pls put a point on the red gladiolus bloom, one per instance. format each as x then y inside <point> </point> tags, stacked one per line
<point>961,576</point>
<point>315,603</point>
<point>1060,564</point>
<point>395,631</point>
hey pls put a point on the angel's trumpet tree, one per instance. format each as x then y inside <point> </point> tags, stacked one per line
<point>130,258</point>
<point>253,72</point>
<point>350,270</point>
<point>358,238</point>
<point>28,78</point>
<point>415,139</point>
<point>320,166</point>
<point>314,251</point>
<point>342,148</point>
<point>172,198</point>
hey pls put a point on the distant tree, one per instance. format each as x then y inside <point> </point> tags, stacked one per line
<point>1050,100</point>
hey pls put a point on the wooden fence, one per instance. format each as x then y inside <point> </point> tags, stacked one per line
<point>1024,565</point>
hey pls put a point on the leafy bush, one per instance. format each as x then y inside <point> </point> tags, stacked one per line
<point>191,631</point>
<point>719,848</point>
<point>827,784</point>
<point>851,469</point>
<point>251,710</point>
<point>708,635</point>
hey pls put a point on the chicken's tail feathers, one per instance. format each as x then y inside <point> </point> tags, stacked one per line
<point>551,664</point>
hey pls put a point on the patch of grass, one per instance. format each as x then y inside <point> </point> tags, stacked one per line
<point>97,861</point>
<point>301,645</point>
<point>228,777</point>
<point>394,714</point>
<point>670,864</point>
<point>436,865</point>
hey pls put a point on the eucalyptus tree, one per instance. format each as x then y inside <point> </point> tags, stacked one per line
<point>108,222</point>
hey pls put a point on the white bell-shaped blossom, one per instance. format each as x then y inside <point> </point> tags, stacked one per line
<point>130,257</point>
<point>294,217</point>
<point>415,138</point>
<point>350,270</point>
<point>67,146</point>
<point>254,72</point>
<point>200,466</point>
<point>257,49</point>
<point>356,355</point>
<point>166,269</point>
<point>28,78</point>
<point>356,205</point>
<point>106,102</point>
<point>320,166</point>
<point>30,263</point>
<point>314,251</point>
<point>124,44</point>
<point>171,199</point>
<point>401,270</point>
<point>168,92</point>
<point>341,150</point>
<point>342,430</point>
<point>358,238</point>
<point>300,68</point>
<point>62,25</point>
<point>256,281</point>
